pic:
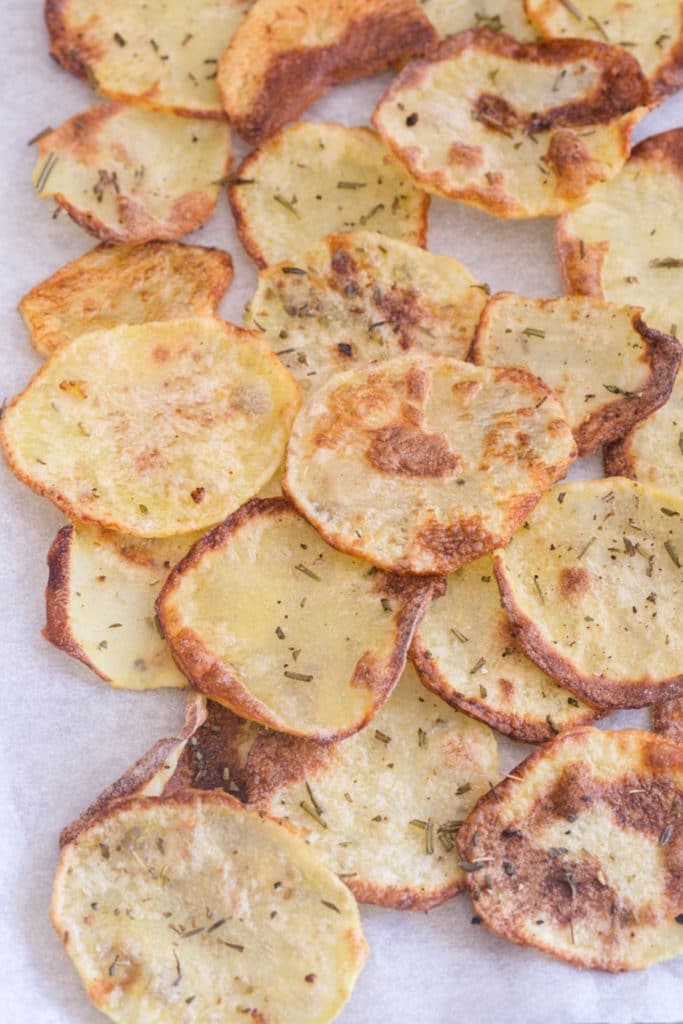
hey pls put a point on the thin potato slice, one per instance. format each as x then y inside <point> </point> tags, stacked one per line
<point>284,55</point>
<point>519,130</point>
<point>268,620</point>
<point>451,16</point>
<point>465,651</point>
<point>160,54</point>
<point>606,366</point>
<point>594,588</point>
<point>667,719</point>
<point>315,179</point>
<point>231,916</point>
<point>362,298</point>
<point>153,430</point>
<point>424,463</point>
<point>122,284</point>
<point>578,852</point>
<point>128,175</point>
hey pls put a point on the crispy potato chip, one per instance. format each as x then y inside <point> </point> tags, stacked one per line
<point>667,719</point>
<point>122,284</point>
<point>594,588</point>
<point>314,179</point>
<point>451,16</point>
<point>267,619</point>
<point>519,130</point>
<point>652,32</point>
<point>284,55</point>
<point>128,175</point>
<point>160,54</point>
<point>625,243</point>
<point>155,430</point>
<point>226,908</point>
<point>465,651</point>
<point>424,463</point>
<point>361,298</point>
<point>606,366</point>
<point>578,853</point>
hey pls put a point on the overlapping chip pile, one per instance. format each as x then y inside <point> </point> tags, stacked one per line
<point>345,526</point>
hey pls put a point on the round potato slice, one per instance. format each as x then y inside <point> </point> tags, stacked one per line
<point>424,463</point>
<point>128,175</point>
<point>362,298</point>
<point>154,430</point>
<point>229,916</point>
<point>465,651</point>
<point>578,852</point>
<point>160,54</point>
<point>125,284</point>
<point>519,130</point>
<point>594,588</point>
<point>606,366</point>
<point>625,243</point>
<point>264,617</point>
<point>315,179</point>
<point>451,16</point>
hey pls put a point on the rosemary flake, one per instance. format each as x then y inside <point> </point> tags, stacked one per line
<point>277,198</point>
<point>307,572</point>
<point>672,553</point>
<point>300,677</point>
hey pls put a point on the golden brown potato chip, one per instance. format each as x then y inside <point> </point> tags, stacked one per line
<point>578,852</point>
<point>451,16</point>
<point>123,284</point>
<point>155,430</point>
<point>128,175</point>
<point>667,719</point>
<point>465,651</point>
<point>314,179</point>
<point>264,617</point>
<point>606,366</point>
<point>160,54</point>
<point>519,130</point>
<point>594,588</point>
<point>225,908</point>
<point>284,55</point>
<point>423,463</point>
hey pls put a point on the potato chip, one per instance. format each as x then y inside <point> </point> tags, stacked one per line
<point>122,284</point>
<point>160,54</point>
<point>424,463</point>
<point>667,719</point>
<point>578,852</point>
<point>362,298</point>
<point>229,915</point>
<point>314,179</point>
<point>519,130</point>
<point>606,366</point>
<point>594,588</point>
<point>155,430</point>
<point>267,619</point>
<point>284,56</point>
<point>465,651</point>
<point>128,175</point>
<point>451,16</point>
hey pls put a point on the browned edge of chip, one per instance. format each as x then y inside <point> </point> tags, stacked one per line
<point>669,77</point>
<point>667,719</point>
<point>618,458</point>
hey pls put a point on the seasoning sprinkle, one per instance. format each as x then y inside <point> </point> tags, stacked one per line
<point>286,205</point>
<point>573,9</point>
<point>382,736</point>
<point>216,925</point>
<point>421,738</point>
<point>429,837</point>
<point>332,906</point>
<point>667,832</point>
<point>312,814</point>
<point>300,677</point>
<point>307,572</point>
<point>352,184</point>
<point>461,636</point>
<point>666,263</point>
<point>672,553</point>
<point>45,173</point>
<point>316,805</point>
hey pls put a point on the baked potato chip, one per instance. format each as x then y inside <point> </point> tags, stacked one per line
<point>128,175</point>
<point>265,618</point>
<point>225,908</point>
<point>423,463</point>
<point>284,55</point>
<point>517,129</point>
<point>160,54</point>
<point>451,16</point>
<point>667,719</point>
<point>155,430</point>
<point>578,852</point>
<point>606,366</point>
<point>361,298</point>
<point>464,650</point>
<point>625,243</point>
<point>314,179</point>
<point>124,284</point>
<point>594,588</point>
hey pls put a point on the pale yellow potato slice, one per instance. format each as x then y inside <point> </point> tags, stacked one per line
<point>450,16</point>
<point>606,366</point>
<point>153,430</point>
<point>577,853</point>
<point>594,588</point>
<point>129,175</point>
<point>229,916</point>
<point>316,178</point>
